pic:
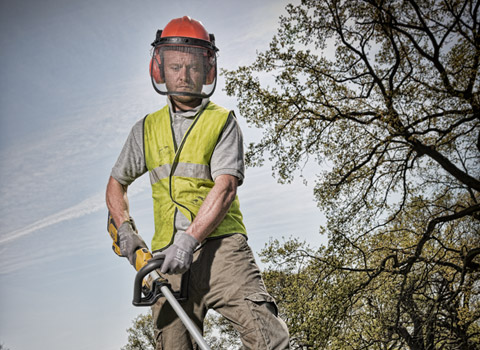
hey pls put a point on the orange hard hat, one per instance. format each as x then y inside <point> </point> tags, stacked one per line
<point>185,31</point>
<point>185,27</point>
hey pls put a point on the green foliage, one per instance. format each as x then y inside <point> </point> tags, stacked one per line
<point>311,296</point>
<point>141,335</point>
<point>333,303</point>
<point>384,97</point>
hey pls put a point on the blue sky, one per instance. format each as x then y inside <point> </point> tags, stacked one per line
<point>74,79</point>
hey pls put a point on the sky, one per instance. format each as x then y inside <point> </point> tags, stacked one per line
<point>74,79</point>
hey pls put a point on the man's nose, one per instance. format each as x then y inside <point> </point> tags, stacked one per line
<point>184,73</point>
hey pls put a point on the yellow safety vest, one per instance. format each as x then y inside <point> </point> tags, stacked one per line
<point>181,177</point>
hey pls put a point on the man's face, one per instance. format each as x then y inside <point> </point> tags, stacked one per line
<point>184,72</point>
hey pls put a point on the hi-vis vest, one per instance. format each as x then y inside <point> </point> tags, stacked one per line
<point>180,176</point>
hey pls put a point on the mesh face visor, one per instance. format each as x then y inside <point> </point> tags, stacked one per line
<point>180,68</point>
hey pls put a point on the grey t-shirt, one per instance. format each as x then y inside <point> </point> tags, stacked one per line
<point>227,157</point>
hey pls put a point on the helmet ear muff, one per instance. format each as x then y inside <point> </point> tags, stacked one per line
<point>210,74</point>
<point>210,67</point>
<point>156,69</point>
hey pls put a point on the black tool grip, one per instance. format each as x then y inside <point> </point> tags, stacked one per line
<point>152,295</point>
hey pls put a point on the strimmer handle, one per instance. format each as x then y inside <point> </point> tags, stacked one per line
<point>153,293</point>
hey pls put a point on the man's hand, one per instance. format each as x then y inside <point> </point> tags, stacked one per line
<point>129,240</point>
<point>178,257</point>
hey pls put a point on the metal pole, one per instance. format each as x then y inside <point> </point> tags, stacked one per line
<point>191,327</point>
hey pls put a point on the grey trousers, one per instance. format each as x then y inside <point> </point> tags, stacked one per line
<point>225,277</point>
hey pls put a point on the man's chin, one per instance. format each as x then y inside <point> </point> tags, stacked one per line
<point>184,99</point>
<point>189,101</point>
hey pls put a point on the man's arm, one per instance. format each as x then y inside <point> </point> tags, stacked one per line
<point>126,238</point>
<point>129,166</point>
<point>214,207</point>
<point>117,201</point>
<point>179,256</point>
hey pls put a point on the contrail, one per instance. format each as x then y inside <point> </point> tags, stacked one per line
<point>85,207</point>
<point>88,206</point>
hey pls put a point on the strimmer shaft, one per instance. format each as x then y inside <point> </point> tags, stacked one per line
<point>191,327</point>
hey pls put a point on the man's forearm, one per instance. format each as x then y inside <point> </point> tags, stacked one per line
<point>117,201</point>
<point>214,207</point>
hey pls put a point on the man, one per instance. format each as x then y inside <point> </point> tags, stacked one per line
<point>193,151</point>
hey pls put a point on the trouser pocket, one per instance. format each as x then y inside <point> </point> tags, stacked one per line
<point>272,332</point>
<point>258,300</point>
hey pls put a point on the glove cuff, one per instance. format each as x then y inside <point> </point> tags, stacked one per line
<point>186,241</point>
<point>127,228</point>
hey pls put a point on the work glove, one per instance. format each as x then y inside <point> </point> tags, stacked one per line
<point>178,257</point>
<point>129,240</point>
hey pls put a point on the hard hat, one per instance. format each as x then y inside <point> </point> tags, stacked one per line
<point>184,61</point>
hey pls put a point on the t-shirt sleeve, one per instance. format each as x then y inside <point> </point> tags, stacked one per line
<point>228,157</point>
<point>131,162</point>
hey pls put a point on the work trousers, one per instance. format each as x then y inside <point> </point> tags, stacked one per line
<point>224,277</point>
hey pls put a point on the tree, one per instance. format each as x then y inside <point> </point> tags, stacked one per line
<point>327,305</point>
<point>141,335</point>
<point>383,96</point>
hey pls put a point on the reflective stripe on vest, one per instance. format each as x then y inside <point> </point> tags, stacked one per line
<point>200,171</point>
<point>181,178</point>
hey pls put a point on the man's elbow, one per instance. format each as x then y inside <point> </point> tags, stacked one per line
<point>229,184</point>
<point>114,190</point>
